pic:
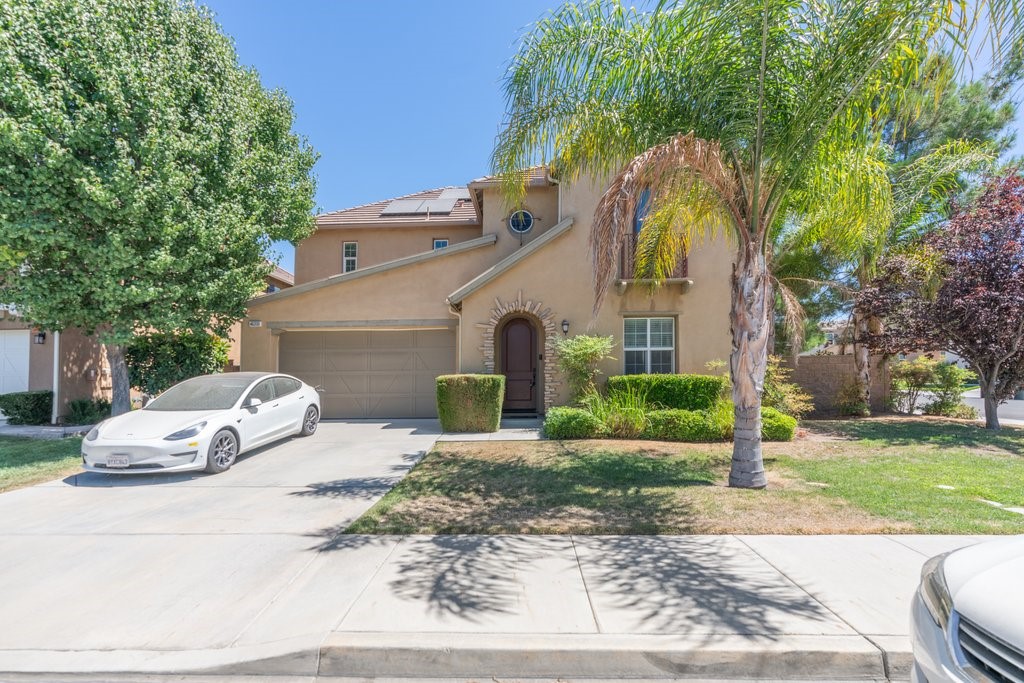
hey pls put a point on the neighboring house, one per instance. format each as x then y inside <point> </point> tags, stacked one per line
<point>391,294</point>
<point>71,364</point>
<point>277,280</point>
<point>839,342</point>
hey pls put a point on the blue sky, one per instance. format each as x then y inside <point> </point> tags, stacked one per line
<point>396,96</point>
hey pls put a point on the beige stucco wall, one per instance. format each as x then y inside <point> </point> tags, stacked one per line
<point>560,276</point>
<point>542,202</point>
<point>85,372</point>
<point>319,256</point>
<point>411,293</point>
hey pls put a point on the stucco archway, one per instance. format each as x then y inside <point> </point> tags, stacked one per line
<point>544,319</point>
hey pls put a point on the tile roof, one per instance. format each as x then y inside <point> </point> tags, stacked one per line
<point>283,275</point>
<point>537,175</point>
<point>464,213</point>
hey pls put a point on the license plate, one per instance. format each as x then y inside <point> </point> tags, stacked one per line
<point>117,461</point>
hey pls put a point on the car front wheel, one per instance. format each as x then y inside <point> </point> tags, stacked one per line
<point>310,421</point>
<point>223,451</point>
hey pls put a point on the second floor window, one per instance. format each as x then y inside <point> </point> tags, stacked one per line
<point>350,259</point>
<point>440,243</point>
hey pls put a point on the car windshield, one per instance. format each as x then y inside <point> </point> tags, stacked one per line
<point>214,392</point>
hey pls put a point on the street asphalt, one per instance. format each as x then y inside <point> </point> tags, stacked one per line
<point>247,573</point>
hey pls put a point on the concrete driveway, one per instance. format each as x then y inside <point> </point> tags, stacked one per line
<point>194,562</point>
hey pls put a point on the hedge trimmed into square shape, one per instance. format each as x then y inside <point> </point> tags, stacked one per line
<point>27,407</point>
<point>571,423</point>
<point>680,392</point>
<point>470,403</point>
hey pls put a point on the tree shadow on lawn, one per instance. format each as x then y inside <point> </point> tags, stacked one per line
<point>634,584</point>
<point>922,432</point>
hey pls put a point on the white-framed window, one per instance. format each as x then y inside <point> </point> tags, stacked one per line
<point>350,257</point>
<point>440,242</point>
<point>649,345</point>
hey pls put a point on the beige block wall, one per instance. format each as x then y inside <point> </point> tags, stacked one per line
<point>560,277</point>
<point>320,255</point>
<point>823,376</point>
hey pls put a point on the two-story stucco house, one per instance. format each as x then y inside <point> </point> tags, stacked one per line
<point>389,295</point>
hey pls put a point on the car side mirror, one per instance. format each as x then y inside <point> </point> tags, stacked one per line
<point>253,403</point>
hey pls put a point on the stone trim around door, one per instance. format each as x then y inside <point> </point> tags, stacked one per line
<point>542,316</point>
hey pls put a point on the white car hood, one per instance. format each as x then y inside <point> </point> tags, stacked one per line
<point>984,581</point>
<point>153,424</point>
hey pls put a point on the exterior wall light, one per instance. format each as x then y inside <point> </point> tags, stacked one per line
<point>565,327</point>
<point>39,337</point>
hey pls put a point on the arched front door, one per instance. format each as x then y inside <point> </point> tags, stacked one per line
<point>519,364</point>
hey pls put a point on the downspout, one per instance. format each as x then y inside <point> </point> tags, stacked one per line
<point>458,337</point>
<point>54,413</point>
<point>559,186</point>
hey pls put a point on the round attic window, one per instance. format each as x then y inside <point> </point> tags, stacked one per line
<point>520,222</point>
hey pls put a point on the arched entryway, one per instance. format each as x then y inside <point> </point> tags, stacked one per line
<point>518,361</point>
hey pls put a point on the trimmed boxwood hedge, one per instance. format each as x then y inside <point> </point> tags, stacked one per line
<point>681,392</point>
<point>27,407</point>
<point>683,425</point>
<point>776,426</point>
<point>571,423</point>
<point>470,403</point>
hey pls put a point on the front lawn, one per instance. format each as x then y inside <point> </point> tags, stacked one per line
<point>862,476</point>
<point>24,462</point>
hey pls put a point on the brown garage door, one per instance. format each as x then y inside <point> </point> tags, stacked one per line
<point>372,373</point>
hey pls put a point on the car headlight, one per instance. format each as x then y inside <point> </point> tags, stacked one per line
<point>93,434</point>
<point>934,591</point>
<point>186,433</point>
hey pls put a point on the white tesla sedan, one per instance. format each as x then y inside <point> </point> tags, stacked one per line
<point>203,424</point>
<point>967,621</point>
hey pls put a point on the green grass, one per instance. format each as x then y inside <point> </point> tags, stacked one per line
<point>896,467</point>
<point>856,476</point>
<point>24,462</point>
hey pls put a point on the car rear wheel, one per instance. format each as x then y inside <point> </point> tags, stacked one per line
<point>223,451</point>
<point>310,421</point>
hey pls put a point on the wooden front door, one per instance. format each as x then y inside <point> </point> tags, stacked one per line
<point>519,364</point>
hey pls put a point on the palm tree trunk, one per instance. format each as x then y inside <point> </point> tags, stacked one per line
<point>862,358</point>
<point>121,401</point>
<point>750,321</point>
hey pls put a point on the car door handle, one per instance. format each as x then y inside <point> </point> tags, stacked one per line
<point>275,405</point>
<point>302,397</point>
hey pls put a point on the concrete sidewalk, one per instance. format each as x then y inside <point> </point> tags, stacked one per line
<point>709,607</point>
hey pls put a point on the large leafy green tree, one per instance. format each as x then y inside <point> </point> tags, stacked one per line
<point>734,114</point>
<point>143,171</point>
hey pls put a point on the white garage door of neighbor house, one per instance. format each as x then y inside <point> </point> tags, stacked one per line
<point>371,374</point>
<point>14,349</point>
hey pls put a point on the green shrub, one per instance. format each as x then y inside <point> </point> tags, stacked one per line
<point>948,390</point>
<point>84,411</point>
<point>470,403</point>
<point>776,426</point>
<point>27,407</point>
<point>578,357</point>
<point>907,380</point>
<point>783,395</point>
<point>723,418</point>
<point>571,423</point>
<point>684,392</point>
<point>849,399</point>
<point>622,415</point>
<point>683,425</point>
<point>159,361</point>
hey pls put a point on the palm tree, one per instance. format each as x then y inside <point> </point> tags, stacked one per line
<point>731,115</point>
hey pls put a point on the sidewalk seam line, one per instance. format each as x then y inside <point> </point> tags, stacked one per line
<point>586,587</point>
<point>881,652</point>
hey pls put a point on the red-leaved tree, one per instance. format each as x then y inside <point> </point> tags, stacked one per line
<point>961,289</point>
